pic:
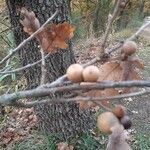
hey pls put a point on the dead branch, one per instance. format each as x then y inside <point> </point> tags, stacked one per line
<point>43,68</point>
<point>7,99</point>
<point>108,28</point>
<point>133,37</point>
<point>76,99</point>
<point>24,67</point>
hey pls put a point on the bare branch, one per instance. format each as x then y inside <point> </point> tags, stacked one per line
<point>134,36</point>
<point>24,67</point>
<point>94,99</point>
<point>7,99</point>
<point>110,22</point>
<point>43,68</point>
<point>28,39</point>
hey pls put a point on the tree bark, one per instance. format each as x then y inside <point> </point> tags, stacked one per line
<point>101,15</point>
<point>65,119</point>
<point>141,9</point>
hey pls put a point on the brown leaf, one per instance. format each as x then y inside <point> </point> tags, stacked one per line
<point>98,93</point>
<point>55,36</point>
<point>7,140</point>
<point>52,37</point>
<point>134,75</point>
<point>129,73</point>
<point>7,137</point>
<point>86,105</point>
<point>105,103</point>
<point>116,71</point>
<point>138,63</point>
<point>64,146</point>
<point>103,93</point>
<point>127,69</point>
<point>30,22</point>
<point>110,71</point>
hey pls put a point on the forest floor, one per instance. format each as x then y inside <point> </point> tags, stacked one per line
<point>18,127</point>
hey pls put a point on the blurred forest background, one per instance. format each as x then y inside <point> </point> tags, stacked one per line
<point>90,18</point>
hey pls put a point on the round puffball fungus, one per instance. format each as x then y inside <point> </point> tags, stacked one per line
<point>129,47</point>
<point>90,74</point>
<point>74,73</point>
<point>106,121</point>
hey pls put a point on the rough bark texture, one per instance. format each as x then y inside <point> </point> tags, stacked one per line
<point>100,17</point>
<point>65,119</point>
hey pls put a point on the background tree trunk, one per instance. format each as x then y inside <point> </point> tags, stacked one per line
<point>141,9</point>
<point>101,15</point>
<point>66,119</point>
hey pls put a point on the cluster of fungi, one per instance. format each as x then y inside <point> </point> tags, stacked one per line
<point>117,118</point>
<point>76,73</point>
<point>107,120</point>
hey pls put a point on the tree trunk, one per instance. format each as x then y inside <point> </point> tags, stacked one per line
<point>100,17</point>
<point>141,9</point>
<point>65,119</point>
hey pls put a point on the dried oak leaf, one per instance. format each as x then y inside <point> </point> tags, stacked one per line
<point>130,66</point>
<point>110,71</point>
<point>129,71</point>
<point>64,146</point>
<point>52,37</point>
<point>95,93</point>
<point>30,22</point>
<point>7,137</point>
<point>113,71</point>
<point>86,105</point>
<point>55,36</point>
<point>98,93</point>
<point>137,63</point>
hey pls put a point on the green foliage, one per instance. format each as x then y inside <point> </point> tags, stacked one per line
<point>7,41</point>
<point>123,34</point>
<point>6,45</point>
<point>77,21</point>
<point>136,21</point>
<point>89,142</point>
<point>142,142</point>
<point>102,10</point>
<point>144,55</point>
<point>84,142</point>
<point>39,142</point>
<point>86,13</point>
